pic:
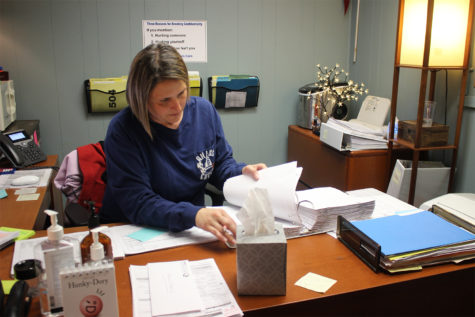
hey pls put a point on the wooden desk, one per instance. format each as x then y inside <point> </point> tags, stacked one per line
<point>440,290</point>
<point>326,166</point>
<point>29,214</point>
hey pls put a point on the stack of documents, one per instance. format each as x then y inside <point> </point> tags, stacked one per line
<point>350,136</point>
<point>7,238</point>
<point>303,212</point>
<point>320,207</point>
<point>411,241</point>
<point>181,288</point>
<point>363,133</point>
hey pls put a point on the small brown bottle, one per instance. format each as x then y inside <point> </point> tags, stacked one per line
<point>88,240</point>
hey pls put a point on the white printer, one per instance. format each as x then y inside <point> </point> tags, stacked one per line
<point>457,208</point>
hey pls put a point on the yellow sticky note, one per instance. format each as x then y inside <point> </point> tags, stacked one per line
<point>315,282</point>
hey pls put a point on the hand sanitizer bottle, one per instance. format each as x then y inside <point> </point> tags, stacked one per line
<point>87,240</point>
<point>97,248</point>
<point>55,253</point>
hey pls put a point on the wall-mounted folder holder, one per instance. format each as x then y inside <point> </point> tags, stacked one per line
<point>360,244</point>
<point>196,83</point>
<point>233,91</point>
<point>105,94</point>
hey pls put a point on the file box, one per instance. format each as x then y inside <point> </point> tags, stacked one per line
<point>261,263</point>
<point>432,180</point>
<point>106,94</point>
<point>233,91</point>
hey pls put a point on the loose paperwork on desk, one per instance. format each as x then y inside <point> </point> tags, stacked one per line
<point>280,180</point>
<point>122,242</point>
<point>300,212</point>
<point>159,289</point>
<point>410,241</point>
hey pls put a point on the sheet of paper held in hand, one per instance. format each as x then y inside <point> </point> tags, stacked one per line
<point>280,181</point>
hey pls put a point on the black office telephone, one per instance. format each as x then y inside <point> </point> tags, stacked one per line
<point>19,149</point>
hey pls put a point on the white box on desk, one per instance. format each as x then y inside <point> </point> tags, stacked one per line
<point>432,180</point>
<point>261,263</point>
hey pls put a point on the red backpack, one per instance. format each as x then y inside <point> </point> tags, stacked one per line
<point>92,164</point>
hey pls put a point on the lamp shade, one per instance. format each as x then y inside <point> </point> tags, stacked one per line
<point>448,36</point>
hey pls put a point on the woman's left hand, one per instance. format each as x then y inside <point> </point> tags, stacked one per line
<point>253,170</point>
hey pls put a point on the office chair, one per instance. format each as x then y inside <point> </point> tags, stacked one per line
<point>216,195</point>
<point>82,179</point>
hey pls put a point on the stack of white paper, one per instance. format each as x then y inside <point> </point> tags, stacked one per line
<point>319,208</point>
<point>352,136</point>
<point>300,212</point>
<point>181,288</point>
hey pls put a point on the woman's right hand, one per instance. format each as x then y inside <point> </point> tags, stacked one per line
<point>218,222</point>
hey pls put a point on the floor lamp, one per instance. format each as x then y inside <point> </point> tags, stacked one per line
<point>431,35</point>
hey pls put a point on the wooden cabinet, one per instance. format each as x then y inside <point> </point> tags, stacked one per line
<point>326,166</point>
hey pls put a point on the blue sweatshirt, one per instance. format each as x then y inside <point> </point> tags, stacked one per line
<point>161,182</point>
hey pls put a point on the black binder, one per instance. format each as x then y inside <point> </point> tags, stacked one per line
<point>360,244</point>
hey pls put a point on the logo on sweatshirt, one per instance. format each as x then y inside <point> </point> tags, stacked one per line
<point>205,163</point>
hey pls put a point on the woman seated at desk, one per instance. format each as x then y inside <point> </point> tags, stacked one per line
<point>163,149</point>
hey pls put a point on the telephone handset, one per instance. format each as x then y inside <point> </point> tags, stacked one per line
<point>20,150</point>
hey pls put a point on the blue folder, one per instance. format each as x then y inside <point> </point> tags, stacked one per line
<point>407,233</point>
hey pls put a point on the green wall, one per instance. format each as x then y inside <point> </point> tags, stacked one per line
<point>50,47</point>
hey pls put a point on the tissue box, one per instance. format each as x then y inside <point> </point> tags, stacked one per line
<point>261,263</point>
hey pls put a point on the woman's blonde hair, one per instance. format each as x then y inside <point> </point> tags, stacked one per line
<point>153,64</point>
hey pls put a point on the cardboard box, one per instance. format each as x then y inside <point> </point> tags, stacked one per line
<point>432,180</point>
<point>436,135</point>
<point>261,263</point>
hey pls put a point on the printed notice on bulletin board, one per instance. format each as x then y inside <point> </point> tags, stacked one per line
<point>188,37</point>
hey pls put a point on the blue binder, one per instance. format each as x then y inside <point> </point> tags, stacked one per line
<point>407,233</point>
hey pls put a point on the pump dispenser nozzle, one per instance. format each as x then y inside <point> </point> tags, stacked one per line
<point>97,248</point>
<point>55,231</point>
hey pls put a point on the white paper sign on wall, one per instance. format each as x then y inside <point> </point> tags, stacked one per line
<point>187,36</point>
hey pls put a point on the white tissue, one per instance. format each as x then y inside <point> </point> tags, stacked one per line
<point>256,214</point>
